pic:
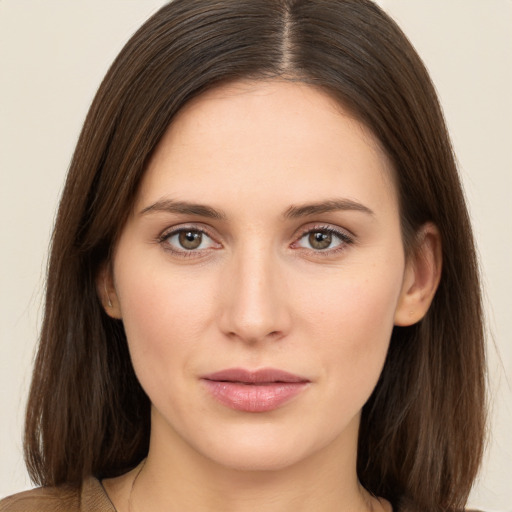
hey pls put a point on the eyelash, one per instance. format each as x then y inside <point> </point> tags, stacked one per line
<point>163,239</point>
<point>344,238</point>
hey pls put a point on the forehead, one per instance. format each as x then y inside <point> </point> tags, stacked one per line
<point>272,137</point>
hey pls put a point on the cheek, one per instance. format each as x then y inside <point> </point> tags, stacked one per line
<point>352,319</point>
<point>368,301</point>
<point>153,294</point>
<point>164,314</point>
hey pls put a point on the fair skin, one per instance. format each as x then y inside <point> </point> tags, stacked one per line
<point>294,261</point>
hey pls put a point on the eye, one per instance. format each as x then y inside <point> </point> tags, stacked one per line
<point>187,240</point>
<point>323,239</point>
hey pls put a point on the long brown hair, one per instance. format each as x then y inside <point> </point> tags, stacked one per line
<point>421,432</point>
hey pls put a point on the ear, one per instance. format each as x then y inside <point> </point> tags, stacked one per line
<point>421,277</point>
<point>106,291</point>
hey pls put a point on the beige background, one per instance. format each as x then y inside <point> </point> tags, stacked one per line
<point>53,54</point>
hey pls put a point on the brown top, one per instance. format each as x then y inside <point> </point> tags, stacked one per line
<point>91,497</point>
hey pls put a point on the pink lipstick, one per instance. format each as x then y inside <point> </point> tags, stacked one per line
<point>254,391</point>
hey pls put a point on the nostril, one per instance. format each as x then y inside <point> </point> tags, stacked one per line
<point>272,335</point>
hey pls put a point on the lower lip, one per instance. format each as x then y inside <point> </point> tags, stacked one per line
<point>261,397</point>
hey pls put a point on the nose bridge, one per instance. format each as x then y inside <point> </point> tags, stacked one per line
<point>255,307</point>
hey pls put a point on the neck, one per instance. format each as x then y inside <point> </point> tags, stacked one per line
<point>181,479</point>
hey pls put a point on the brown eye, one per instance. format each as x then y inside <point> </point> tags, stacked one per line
<point>327,240</point>
<point>190,239</point>
<point>320,240</point>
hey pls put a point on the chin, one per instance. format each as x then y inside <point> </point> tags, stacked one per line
<point>266,449</point>
<point>257,459</point>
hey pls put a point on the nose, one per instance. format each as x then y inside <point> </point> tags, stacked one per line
<point>255,303</point>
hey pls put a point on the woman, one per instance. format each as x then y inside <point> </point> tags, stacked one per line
<point>262,292</point>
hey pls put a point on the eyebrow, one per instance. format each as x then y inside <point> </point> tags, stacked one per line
<point>331,205</point>
<point>184,207</point>
<point>293,212</point>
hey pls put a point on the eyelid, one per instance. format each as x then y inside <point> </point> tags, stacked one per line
<point>344,235</point>
<point>174,230</point>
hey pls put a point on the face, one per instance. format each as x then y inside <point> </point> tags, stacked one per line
<point>259,276</point>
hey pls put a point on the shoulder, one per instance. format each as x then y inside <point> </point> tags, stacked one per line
<point>90,497</point>
<point>43,499</point>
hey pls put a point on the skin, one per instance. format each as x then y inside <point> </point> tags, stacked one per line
<point>256,293</point>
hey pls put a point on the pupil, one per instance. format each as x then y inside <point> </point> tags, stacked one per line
<point>319,240</point>
<point>190,239</point>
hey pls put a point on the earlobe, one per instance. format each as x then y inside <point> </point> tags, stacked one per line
<point>107,292</point>
<point>421,277</point>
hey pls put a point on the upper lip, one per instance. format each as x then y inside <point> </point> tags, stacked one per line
<point>263,375</point>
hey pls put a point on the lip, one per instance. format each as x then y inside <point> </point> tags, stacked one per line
<point>261,390</point>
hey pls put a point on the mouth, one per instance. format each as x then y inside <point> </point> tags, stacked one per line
<point>254,391</point>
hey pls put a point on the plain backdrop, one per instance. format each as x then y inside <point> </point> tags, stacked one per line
<point>53,55</point>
